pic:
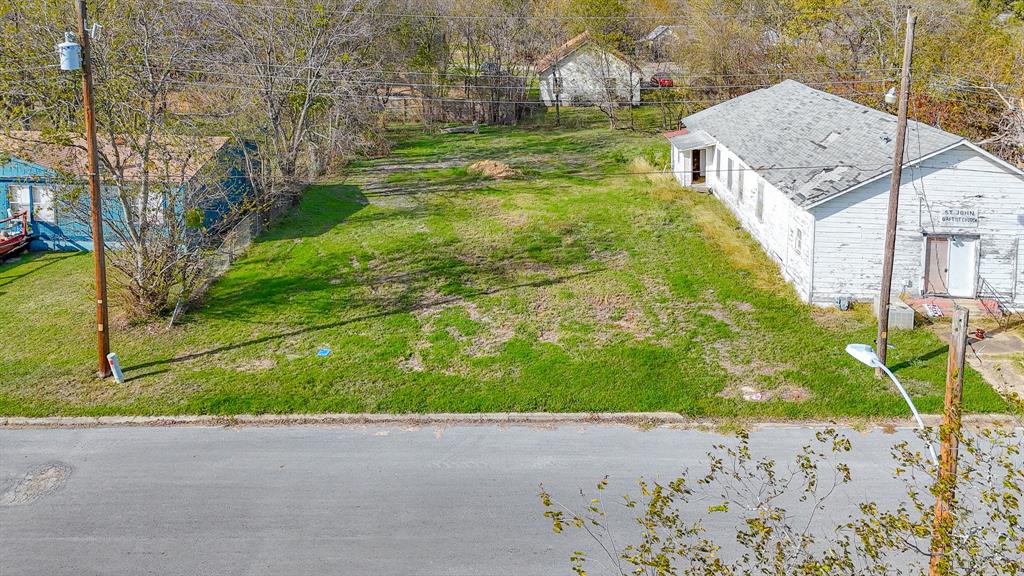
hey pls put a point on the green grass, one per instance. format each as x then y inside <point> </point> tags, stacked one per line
<point>576,287</point>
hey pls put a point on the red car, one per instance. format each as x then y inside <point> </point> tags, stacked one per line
<point>661,80</point>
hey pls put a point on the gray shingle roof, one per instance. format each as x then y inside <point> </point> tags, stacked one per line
<point>658,31</point>
<point>841,142</point>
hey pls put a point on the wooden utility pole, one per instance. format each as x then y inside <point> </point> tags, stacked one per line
<point>99,258</point>
<point>558,96</point>
<point>882,341</point>
<point>949,436</point>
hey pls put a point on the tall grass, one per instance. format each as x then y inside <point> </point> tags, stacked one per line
<point>717,225</point>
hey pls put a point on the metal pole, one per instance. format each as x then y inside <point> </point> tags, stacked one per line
<point>949,436</point>
<point>882,342</point>
<point>99,259</point>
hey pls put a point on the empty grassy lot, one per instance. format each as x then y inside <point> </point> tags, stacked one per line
<point>575,287</point>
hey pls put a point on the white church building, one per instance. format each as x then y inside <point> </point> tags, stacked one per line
<point>807,173</point>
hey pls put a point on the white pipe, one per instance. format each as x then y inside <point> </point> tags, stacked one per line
<point>115,367</point>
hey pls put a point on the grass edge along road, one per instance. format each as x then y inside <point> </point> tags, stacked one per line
<point>572,286</point>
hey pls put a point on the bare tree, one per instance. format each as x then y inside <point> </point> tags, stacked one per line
<point>157,197</point>
<point>300,80</point>
<point>1008,141</point>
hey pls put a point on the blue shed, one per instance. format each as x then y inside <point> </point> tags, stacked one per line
<point>33,173</point>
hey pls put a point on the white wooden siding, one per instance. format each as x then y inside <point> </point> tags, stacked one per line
<point>850,229</point>
<point>781,220</point>
<point>590,75</point>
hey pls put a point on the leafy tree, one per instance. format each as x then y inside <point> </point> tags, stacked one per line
<point>608,22</point>
<point>784,525</point>
<point>1015,7</point>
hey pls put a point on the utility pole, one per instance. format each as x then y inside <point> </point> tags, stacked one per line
<point>99,258</point>
<point>558,97</point>
<point>949,436</point>
<point>882,341</point>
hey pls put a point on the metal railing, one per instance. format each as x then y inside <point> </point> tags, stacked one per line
<point>1004,312</point>
<point>15,233</point>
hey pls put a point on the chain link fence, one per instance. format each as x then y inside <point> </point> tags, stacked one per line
<point>233,244</point>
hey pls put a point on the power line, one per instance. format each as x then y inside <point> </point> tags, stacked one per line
<point>299,66</point>
<point>400,97</point>
<point>483,17</point>
<point>389,97</point>
<point>27,82</point>
<point>361,82</point>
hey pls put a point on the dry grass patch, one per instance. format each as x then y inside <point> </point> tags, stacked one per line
<point>718,226</point>
<point>753,393</point>
<point>492,169</point>
<point>835,319</point>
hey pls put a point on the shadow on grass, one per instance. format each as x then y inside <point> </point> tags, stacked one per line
<point>322,284</point>
<point>920,358</point>
<point>323,207</point>
<point>411,307</point>
<point>31,258</point>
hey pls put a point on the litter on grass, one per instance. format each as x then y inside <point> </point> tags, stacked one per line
<point>751,394</point>
<point>323,352</point>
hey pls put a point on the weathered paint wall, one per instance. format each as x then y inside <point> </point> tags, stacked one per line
<point>850,229</point>
<point>590,75</point>
<point>784,230</point>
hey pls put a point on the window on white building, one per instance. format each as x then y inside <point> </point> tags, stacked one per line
<point>729,175</point>
<point>718,165</point>
<point>798,241</point>
<point>759,201</point>
<point>739,187</point>
<point>19,197</point>
<point>42,205</point>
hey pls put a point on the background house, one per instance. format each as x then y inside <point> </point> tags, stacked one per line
<point>35,176</point>
<point>662,42</point>
<point>807,174</point>
<point>580,73</point>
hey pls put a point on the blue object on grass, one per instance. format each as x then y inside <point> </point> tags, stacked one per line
<point>323,352</point>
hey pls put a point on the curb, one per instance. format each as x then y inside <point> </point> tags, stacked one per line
<point>643,420</point>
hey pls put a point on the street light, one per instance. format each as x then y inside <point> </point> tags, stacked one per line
<point>890,96</point>
<point>866,355</point>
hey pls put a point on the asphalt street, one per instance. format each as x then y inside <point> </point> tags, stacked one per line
<point>371,500</point>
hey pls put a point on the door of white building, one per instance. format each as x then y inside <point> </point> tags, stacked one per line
<point>963,266</point>
<point>936,269</point>
<point>951,266</point>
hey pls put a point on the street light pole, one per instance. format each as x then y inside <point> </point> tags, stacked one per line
<point>95,205</point>
<point>882,341</point>
<point>865,354</point>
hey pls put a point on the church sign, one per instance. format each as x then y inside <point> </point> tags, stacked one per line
<point>957,217</point>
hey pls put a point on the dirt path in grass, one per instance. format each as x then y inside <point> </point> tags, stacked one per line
<point>380,185</point>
